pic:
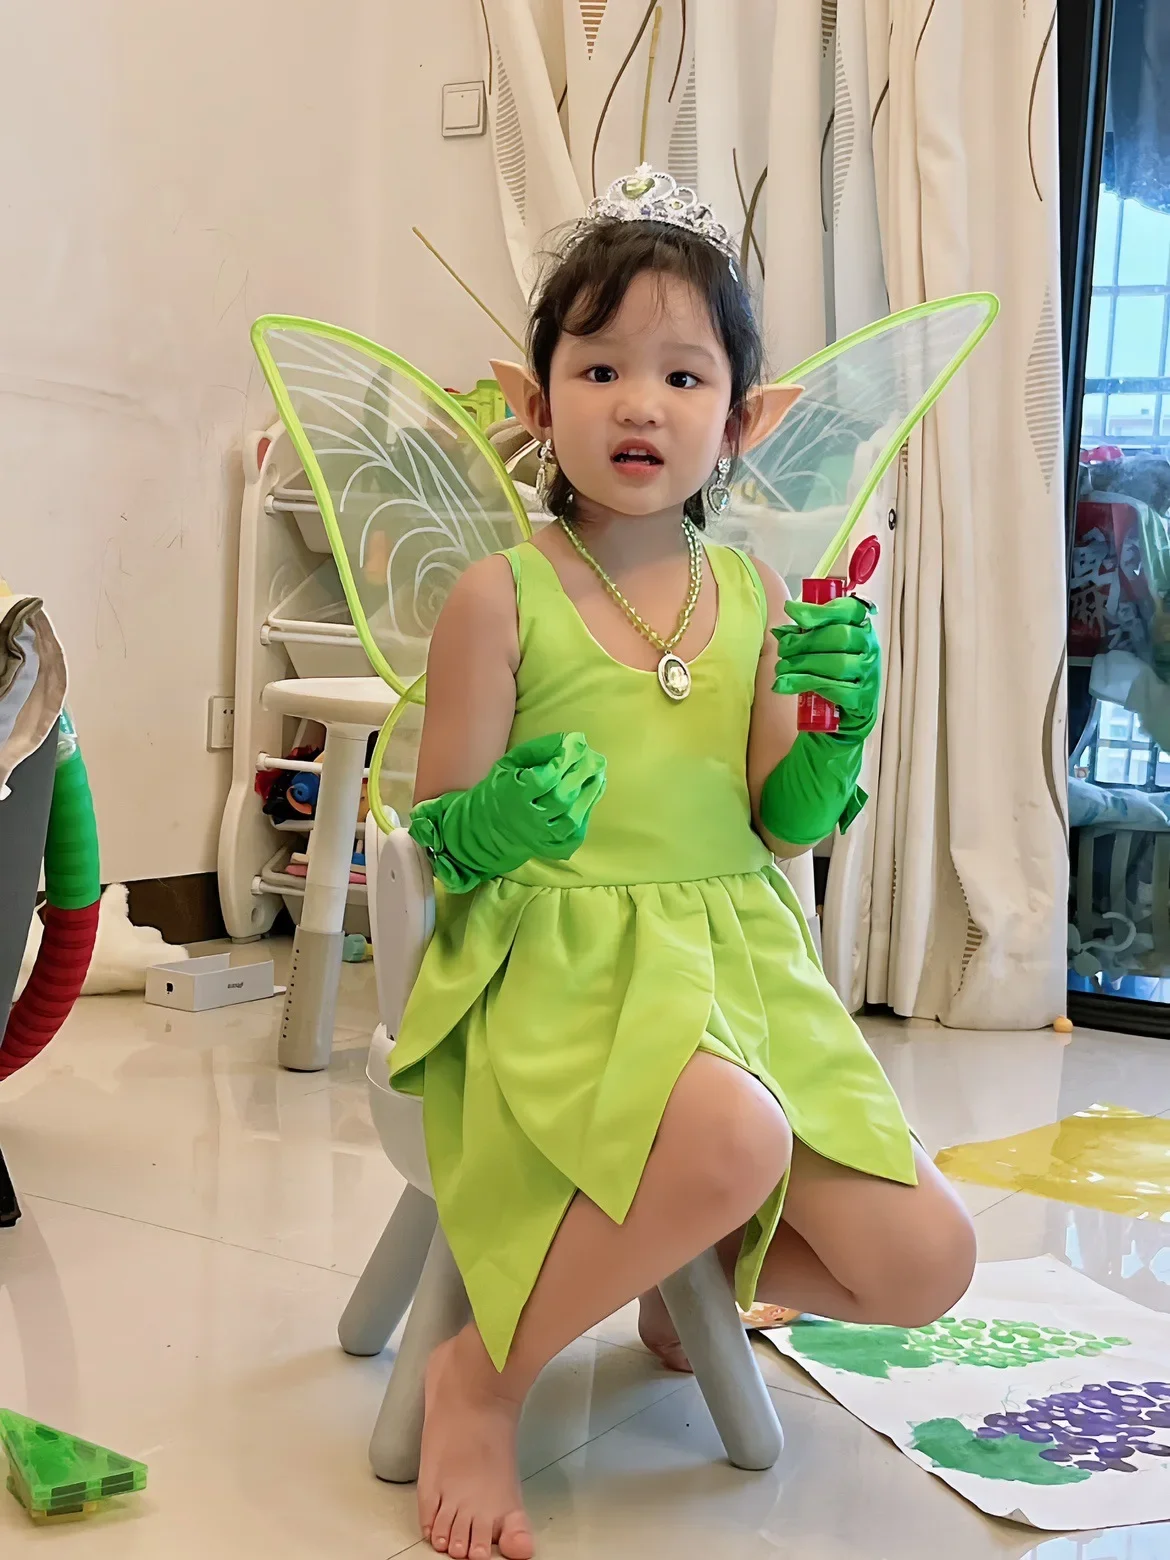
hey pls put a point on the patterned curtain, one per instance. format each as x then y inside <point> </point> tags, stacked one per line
<point>567,97</point>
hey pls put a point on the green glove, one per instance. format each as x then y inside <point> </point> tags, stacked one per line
<point>535,802</point>
<point>813,789</point>
<point>830,649</point>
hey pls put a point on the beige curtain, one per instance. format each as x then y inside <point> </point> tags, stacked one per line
<point>949,900</point>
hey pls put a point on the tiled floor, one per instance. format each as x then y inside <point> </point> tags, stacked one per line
<point>193,1223</point>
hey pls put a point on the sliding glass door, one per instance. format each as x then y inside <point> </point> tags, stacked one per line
<point>1119,554</point>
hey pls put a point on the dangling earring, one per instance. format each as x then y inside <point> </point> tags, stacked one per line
<point>546,473</point>
<point>718,493</point>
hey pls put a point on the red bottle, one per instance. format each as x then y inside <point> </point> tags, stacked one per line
<point>812,712</point>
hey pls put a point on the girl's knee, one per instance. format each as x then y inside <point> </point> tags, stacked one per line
<point>736,1145</point>
<point>934,1270</point>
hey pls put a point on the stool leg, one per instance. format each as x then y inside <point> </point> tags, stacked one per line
<point>306,1027</point>
<point>440,1309</point>
<point>390,1277</point>
<point>9,1207</point>
<point>704,1313</point>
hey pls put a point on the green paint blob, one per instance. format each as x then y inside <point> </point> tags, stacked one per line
<point>873,1351</point>
<point>949,1444</point>
<point>865,1351</point>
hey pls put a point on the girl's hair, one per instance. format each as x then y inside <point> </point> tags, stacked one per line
<point>583,289</point>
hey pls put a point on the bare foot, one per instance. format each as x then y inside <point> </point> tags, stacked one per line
<point>657,1332</point>
<point>468,1485</point>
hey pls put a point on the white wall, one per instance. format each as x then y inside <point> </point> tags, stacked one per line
<point>167,173</point>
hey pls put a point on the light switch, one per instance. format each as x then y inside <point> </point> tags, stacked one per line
<point>464,108</point>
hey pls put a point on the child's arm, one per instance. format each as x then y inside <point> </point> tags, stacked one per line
<point>471,682</point>
<point>480,809</point>
<point>773,728</point>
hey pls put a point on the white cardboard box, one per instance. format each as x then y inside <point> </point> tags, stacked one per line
<point>210,982</point>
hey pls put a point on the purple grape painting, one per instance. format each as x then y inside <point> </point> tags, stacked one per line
<point>1065,1438</point>
<point>1045,1400</point>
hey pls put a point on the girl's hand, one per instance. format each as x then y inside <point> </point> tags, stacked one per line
<point>831,648</point>
<point>557,781</point>
<point>534,803</point>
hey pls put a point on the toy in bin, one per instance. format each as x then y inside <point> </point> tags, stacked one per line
<point>812,712</point>
<point>60,1478</point>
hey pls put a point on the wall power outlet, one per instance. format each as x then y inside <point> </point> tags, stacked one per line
<point>221,722</point>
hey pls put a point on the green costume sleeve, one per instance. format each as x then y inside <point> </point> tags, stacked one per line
<point>829,648</point>
<point>535,802</point>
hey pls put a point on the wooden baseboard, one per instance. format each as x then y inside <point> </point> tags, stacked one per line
<point>185,909</point>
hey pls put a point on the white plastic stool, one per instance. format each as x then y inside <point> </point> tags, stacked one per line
<point>412,1258</point>
<point>349,708</point>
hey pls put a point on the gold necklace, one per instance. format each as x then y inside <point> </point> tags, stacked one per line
<point>674,675</point>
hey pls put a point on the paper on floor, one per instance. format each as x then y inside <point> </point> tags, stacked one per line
<point>1042,1397</point>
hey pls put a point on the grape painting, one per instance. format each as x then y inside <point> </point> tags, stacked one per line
<point>1044,1400</point>
<point>1065,1438</point>
<point>994,1345</point>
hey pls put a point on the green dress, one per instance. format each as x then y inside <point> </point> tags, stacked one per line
<point>557,1006</point>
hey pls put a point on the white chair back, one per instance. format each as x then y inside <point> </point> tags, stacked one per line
<point>401,896</point>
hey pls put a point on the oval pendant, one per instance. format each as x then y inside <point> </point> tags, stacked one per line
<point>674,677</point>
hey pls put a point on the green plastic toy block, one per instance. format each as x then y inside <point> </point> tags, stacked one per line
<point>56,1476</point>
<point>485,403</point>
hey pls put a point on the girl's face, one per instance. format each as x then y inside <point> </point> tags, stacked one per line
<point>639,410</point>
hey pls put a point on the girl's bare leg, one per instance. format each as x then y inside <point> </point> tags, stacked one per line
<point>852,1247</point>
<point>722,1147</point>
<point>864,1250</point>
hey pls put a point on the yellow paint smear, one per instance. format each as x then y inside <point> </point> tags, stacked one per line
<point>1105,1157</point>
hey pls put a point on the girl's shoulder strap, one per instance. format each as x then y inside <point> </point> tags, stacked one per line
<point>530,568</point>
<point>513,556</point>
<point>748,575</point>
<point>538,590</point>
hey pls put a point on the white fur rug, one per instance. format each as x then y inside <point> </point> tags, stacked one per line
<point>122,954</point>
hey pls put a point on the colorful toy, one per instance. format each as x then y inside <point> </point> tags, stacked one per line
<point>273,786</point>
<point>485,403</point>
<point>302,794</point>
<point>58,1477</point>
<point>73,891</point>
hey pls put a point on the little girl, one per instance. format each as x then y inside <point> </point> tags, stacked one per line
<point>625,1047</point>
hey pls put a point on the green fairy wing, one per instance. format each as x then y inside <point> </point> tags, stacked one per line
<point>410,493</point>
<point>800,492</point>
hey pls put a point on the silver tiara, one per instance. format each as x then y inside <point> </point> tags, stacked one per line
<point>647,196</point>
